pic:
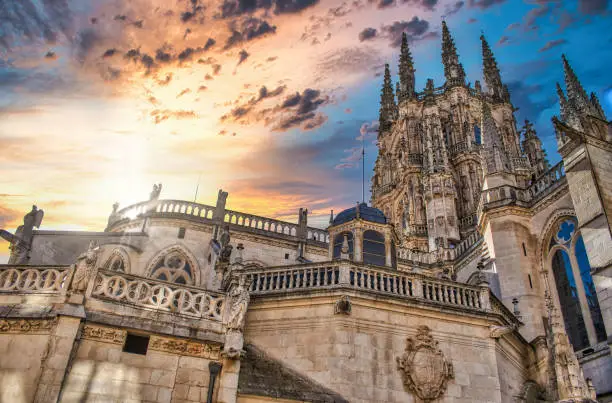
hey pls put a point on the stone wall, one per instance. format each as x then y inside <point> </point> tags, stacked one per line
<point>355,355</point>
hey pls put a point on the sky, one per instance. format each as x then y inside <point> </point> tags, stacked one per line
<point>269,100</point>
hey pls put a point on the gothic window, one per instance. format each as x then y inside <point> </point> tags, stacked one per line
<point>374,248</point>
<point>339,240</point>
<point>572,274</point>
<point>118,261</point>
<point>477,135</point>
<point>174,267</point>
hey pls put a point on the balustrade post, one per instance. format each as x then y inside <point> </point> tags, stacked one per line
<point>417,287</point>
<point>345,274</point>
<point>484,297</point>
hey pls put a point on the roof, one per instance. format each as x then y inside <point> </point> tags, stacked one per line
<point>366,213</point>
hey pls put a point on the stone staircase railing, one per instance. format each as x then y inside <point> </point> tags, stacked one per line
<point>159,295</point>
<point>343,274</point>
<point>202,212</point>
<point>34,279</point>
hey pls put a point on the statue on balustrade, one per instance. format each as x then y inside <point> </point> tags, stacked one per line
<point>240,298</point>
<point>225,247</point>
<point>84,268</point>
<point>21,241</point>
<point>155,192</point>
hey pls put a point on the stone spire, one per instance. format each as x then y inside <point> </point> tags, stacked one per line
<point>495,157</point>
<point>567,112</point>
<point>387,103</point>
<point>597,106</point>
<point>453,70</point>
<point>491,72</point>
<point>576,95</point>
<point>406,71</point>
<point>532,147</point>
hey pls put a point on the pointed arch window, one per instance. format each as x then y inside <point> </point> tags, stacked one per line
<point>118,261</point>
<point>574,285</point>
<point>174,267</point>
<point>477,135</point>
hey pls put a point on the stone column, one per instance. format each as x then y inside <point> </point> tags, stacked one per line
<point>228,382</point>
<point>358,245</point>
<point>388,260</point>
<point>55,365</point>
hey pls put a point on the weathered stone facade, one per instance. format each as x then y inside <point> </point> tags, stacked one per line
<point>481,274</point>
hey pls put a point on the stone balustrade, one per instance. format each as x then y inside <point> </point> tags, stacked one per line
<point>34,279</point>
<point>414,159</point>
<point>521,163</point>
<point>417,230</point>
<point>458,148</point>
<point>202,212</point>
<point>343,274</point>
<point>467,221</point>
<point>159,295</point>
<point>547,181</point>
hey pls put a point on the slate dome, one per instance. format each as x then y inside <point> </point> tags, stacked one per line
<point>366,213</point>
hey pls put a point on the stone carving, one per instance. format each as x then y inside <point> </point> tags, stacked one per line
<point>84,268</point>
<point>495,332</point>
<point>240,298</point>
<point>225,247</point>
<point>113,216</point>
<point>21,241</point>
<point>155,192</point>
<point>185,347</point>
<point>26,325</point>
<point>424,368</point>
<point>343,306</point>
<point>105,334</point>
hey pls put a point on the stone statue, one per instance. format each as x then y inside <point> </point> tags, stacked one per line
<point>21,241</point>
<point>155,192</point>
<point>240,302</point>
<point>113,215</point>
<point>224,243</point>
<point>84,268</point>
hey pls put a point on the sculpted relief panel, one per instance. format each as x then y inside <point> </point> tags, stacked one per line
<point>425,370</point>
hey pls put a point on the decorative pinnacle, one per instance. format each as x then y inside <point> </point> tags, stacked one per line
<point>387,103</point>
<point>453,70</point>
<point>562,103</point>
<point>576,95</point>
<point>406,71</point>
<point>491,72</point>
<point>597,105</point>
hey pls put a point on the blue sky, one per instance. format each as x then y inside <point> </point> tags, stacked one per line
<point>267,99</point>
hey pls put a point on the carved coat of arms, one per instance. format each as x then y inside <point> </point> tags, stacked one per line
<point>424,368</point>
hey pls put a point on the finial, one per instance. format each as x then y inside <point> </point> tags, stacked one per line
<point>331,217</point>
<point>453,70</point>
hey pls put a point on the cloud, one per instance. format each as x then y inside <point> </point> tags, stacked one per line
<point>593,6</point>
<point>9,217</point>
<point>249,29</point>
<point>503,40</point>
<point>484,4</point>
<point>385,3</point>
<point>50,55</point>
<point>368,131</point>
<point>471,20</point>
<point>552,44</point>
<point>161,115</point>
<point>367,34</point>
<point>453,8</point>
<point>234,8</point>
<point>242,56</point>
<point>523,96</point>
<point>415,29</point>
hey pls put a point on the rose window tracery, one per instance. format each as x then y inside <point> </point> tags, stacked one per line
<point>173,267</point>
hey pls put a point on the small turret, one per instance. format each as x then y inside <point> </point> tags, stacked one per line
<point>532,147</point>
<point>388,108</point>
<point>453,70</point>
<point>491,74</point>
<point>406,72</point>
<point>576,95</point>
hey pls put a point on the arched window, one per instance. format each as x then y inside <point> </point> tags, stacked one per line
<point>339,240</point>
<point>118,261</point>
<point>174,267</point>
<point>374,248</point>
<point>477,135</point>
<point>574,285</point>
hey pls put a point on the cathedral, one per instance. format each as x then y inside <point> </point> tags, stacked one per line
<point>478,273</point>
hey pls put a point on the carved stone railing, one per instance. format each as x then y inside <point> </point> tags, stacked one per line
<point>467,221</point>
<point>349,275</point>
<point>521,163</point>
<point>466,244</point>
<point>414,159</point>
<point>34,279</point>
<point>417,230</point>
<point>458,148</point>
<point>205,213</point>
<point>158,295</point>
<point>547,181</point>
<point>383,189</point>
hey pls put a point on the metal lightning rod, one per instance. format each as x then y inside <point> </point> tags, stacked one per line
<point>197,187</point>
<point>362,169</point>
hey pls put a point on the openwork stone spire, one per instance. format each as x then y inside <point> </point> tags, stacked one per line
<point>453,70</point>
<point>532,147</point>
<point>495,158</point>
<point>568,113</point>
<point>597,106</point>
<point>576,95</point>
<point>387,103</point>
<point>406,71</point>
<point>491,72</point>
